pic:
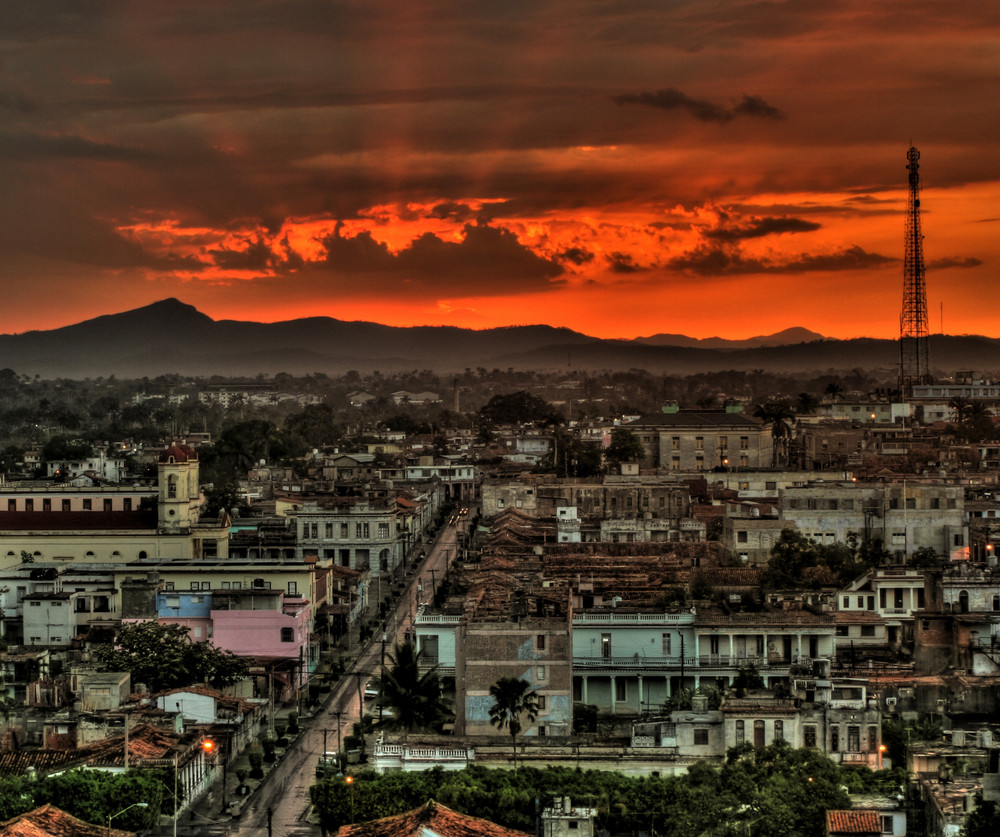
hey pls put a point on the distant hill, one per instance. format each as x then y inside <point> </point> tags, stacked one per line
<point>172,337</point>
<point>787,337</point>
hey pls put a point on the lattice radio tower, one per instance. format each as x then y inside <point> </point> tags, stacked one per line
<point>914,353</point>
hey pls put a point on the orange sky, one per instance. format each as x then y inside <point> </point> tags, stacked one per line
<point>710,168</point>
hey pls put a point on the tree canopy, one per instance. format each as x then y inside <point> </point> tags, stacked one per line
<point>414,697</point>
<point>513,699</point>
<point>774,791</point>
<point>163,656</point>
<point>517,408</point>
<point>624,447</point>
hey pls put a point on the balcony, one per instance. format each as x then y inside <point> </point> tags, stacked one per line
<point>634,663</point>
<point>412,758</point>
<point>634,618</point>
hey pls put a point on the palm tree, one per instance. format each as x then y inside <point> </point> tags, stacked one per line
<point>806,403</point>
<point>414,697</point>
<point>960,404</point>
<point>780,417</point>
<point>513,698</point>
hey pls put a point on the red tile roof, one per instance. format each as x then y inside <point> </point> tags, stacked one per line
<point>430,819</point>
<point>853,822</point>
<point>49,821</point>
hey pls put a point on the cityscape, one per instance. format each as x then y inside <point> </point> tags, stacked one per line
<point>534,420</point>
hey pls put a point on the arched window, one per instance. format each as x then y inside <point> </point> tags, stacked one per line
<point>142,554</point>
<point>963,601</point>
<point>172,487</point>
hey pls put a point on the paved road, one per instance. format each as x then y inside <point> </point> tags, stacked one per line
<point>286,791</point>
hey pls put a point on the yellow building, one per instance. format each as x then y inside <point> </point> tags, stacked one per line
<point>58,523</point>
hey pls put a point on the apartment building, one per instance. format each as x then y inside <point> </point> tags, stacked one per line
<point>702,440</point>
<point>903,516</point>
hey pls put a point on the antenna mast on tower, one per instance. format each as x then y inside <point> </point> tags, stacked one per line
<point>914,354</point>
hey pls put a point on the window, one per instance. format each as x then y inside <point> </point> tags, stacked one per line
<point>621,689</point>
<point>88,504</point>
<point>699,443</point>
<point>541,703</point>
<point>288,635</point>
<point>206,585</point>
<point>194,585</point>
<point>701,738</point>
<point>35,604</point>
<point>861,601</point>
<point>779,730</point>
<point>834,739</point>
<point>868,630</point>
<point>127,504</point>
<point>742,536</point>
<point>741,732</point>
<point>606,646</point>
<point>168,585</point>
<point>383,530</point>
<point>540,642</point>
<point>541,672</point>
<point>329,530</point>
<point>854,739</point>
<point>744,442</point>
<point>47,504</point>
<point>887,824</point>
<point>293,588</point>
<point>29,505</point>
<point>770,485</point>
<point>758,733</point>
<point>713,645</point>
<point>57,639</point>
<point>665,640</point>
<point>847,602</point>
<point>809,736</point>
<point>343,530</point>
<point>225,585</point>
<point>872,739</point>
<point>107,505</point>
<point>723,442</point>
<point>675,443</point>
<point>315,530</point>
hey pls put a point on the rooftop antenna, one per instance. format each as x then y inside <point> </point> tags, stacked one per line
<point>914,355</point>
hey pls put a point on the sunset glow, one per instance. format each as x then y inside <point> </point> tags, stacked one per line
<point>726,168</point>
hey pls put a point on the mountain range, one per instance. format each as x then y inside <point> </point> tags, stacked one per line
<point>172,337</point>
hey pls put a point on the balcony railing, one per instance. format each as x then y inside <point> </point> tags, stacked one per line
<point>638,663</point>
<point>639,618</point>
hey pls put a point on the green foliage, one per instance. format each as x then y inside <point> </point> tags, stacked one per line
<point>90,795</point>
<point>624,447</point>
<point>315,426</point>
<point>796,561</point>
<point>163,657</point>
<point>513,699</point>
<point>747,679</point>
<point>984,821</point>
<point>767,792</point>
<point>414,697</point>
<point>60,448</point>
<point>517,408</point>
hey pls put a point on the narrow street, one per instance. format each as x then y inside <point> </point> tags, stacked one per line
<point>286,791</point>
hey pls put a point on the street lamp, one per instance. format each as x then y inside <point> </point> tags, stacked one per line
<point>123,810</point>
<point>881,751</point>
<point>349,780</point>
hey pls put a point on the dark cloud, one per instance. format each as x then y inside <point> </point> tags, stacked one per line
<point>576,255</point>
<point>485,254</point>
<point>941,264</point>
<point>709,260</point>
<point>453,211</point>
<point>623,263</point>
<point>759,227</point>
<point>257,256</point>
<point>670,98</point>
